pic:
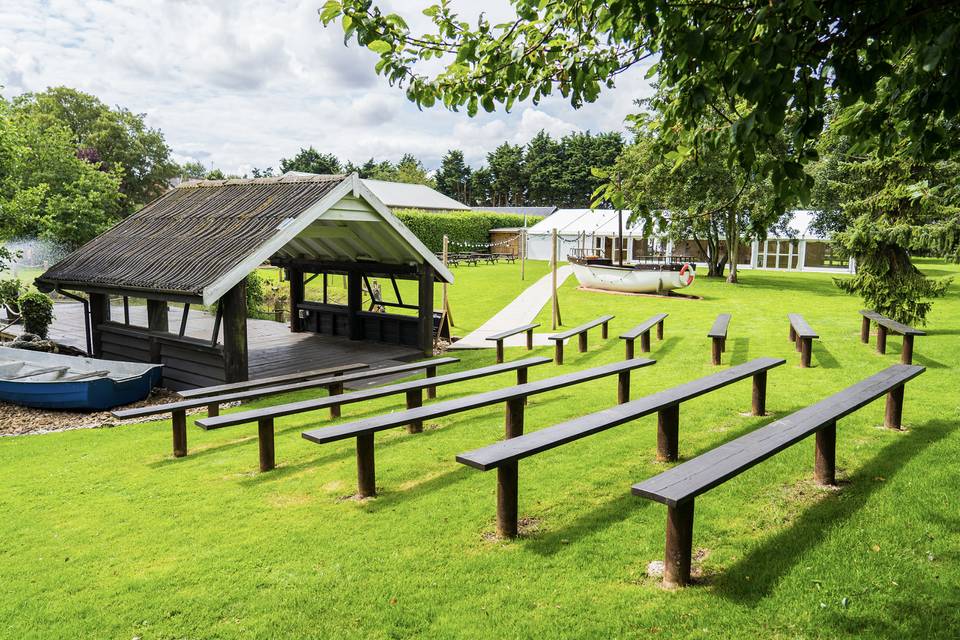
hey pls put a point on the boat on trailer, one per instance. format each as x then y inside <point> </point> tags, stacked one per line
<point>57,381</point>
<point>649,274</point>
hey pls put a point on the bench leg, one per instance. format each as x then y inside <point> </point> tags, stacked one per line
<point>628,349</point>
<point>660,330</point>
<point>906,354</point>
<point>793,334</point>
<point>366,473</point>
<point>825,456</point>
<point>507,500</point>
<point>335,389</point>
<point>623,387</point>
<point>797,344</point>
<point>716,351</point>
<point>213,409</point>
<point>522,375</point>
<point>645,342</point>
<point>668,433</point>
<point>431,372</point>
<point>582,342</point>
<point>265,433</point>
<point>499,351</point>
<point>558,352</point>
<point>513,420</point>
<point>760,394</point>
<point>865,330</point>
<point>893,416</point>
<point>806,348</point>
<point>415,400</point>
<point>679,548</point>
<point>178,420</point>
<point>529,339</point>
<point>881,339</point>
<point>604,331</point>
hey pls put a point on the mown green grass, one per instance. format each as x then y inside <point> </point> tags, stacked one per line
<point>105,535</point>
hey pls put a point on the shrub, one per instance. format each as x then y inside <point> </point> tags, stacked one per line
<point>10,291</point>
<point>469,230</point>
<point>256,294</point>
<point>37,312</point>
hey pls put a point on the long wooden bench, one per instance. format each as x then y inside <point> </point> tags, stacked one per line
<point>503,335</point>
<point>802,336</point>
<point>642,331</point>
<point>503,456</point>
<point>678,487</point>
<point>885,324</point>
<point>514,397</point>
<point>718,335</point>
<point>264,418</point>
<point>581,333</point>
<point>334,385</point>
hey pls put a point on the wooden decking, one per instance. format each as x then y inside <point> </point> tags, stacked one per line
<point>273,349</point>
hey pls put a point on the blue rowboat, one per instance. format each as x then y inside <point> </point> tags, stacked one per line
<point>57,381</point>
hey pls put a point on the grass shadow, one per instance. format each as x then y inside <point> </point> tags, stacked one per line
<point>389,497</point>
<point>607,514</point>
<point>740,351</point>
<point>662,348</point>
<point>823,358</point>
<point>757,573</point>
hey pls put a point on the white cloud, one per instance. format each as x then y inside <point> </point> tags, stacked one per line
<point>244,83</point>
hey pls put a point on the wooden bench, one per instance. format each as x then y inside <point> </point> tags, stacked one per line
<point>581,333</point>
<point>334,385</point>
<point>642,331</point>
<point>718,333</point>
<point>885,324</point>
<point>509,257</point>
<point>503,456</point>
<point>500,337</point>
<point>678,487</point>
<point>264,418</point>
<point>514,397</point>
<point>802,336</point>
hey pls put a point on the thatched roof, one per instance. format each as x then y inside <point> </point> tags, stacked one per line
<point>201,238</point>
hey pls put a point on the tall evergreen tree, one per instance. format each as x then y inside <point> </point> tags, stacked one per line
<point>543,169</point>
<point>310,160</point>
<point>453,177</point>
<point>506,173</point>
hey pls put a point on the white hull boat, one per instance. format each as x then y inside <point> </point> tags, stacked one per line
<point>633,278</point>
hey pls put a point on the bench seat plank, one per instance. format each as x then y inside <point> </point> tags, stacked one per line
<point>688,480</point>
<point>801,327</point>
<point>529,444</point>
<point>580,329</point>
<point>273,380</point>
<point>440,409</point>
<point>277,411</point>
<point>892,325</point>
<point>720,325</point>
<point>643,327</point>
<point>514,331</point>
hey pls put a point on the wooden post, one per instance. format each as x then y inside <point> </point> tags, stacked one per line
<point>443,289</point>
<point>523,254</point>
<point>806,347</point>
<point>679,547</point>
<point>334,389</point>
<point>558,352</point>
<point>668,433</point>
<point>425,325</point>
<point>513,421</point>
<point>499,350</point>
<point>158,318</point>
<point>431,372</point>
<point>628,355</point>
<point>825,455</point>
<point>645,342</point>
<point>235,358</point>
<point>881,339</point>
<point>555,304</point>
<point>717,349</point>
<point>296,298</point>
<point>582,341</point>
<point>529,339</point>
<point>793,333</point>
<point>660,330</point>
<point>366,473</point>
<point>213,409</point>
<point>354,305</point>
<point>604,330</point>
<point>414,401</point>
<point>507,500</point>
<point>865,330</point>
<point>99,313</point>
<point>265,433</point>
<point>178,420</point>
<point>893,415</point>
<point>760,393</point>
<point>906,353</point>
<point>623,387</point>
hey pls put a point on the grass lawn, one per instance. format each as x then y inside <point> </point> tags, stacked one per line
<point>107,536</point>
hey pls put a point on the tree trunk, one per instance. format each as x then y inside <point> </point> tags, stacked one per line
<point>733,245</point>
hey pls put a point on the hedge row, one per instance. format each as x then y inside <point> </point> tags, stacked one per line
<point>468,230</point>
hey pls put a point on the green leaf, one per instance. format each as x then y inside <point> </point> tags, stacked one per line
<point>380,46</point>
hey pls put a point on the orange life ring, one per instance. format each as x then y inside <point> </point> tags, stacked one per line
<point>686,270</point>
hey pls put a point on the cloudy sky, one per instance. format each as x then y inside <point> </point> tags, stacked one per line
<point>242,83</point>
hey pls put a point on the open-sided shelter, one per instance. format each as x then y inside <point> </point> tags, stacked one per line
<point>197,243</point>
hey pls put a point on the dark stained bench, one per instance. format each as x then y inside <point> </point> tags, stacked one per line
<point>509,257</point>
<point>581,333</point>
<point>802,336</point>
<point>885,324</point>
<point>412,388</point>
<point>503,456</point>
<point>642,331</point>
<point>718,335</point>
<point>678,487</point>
<point>334,385</point>
<point>500,337</point>
<point>514,397</point>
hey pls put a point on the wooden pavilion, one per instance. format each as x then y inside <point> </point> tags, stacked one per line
<point>197,243</point>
